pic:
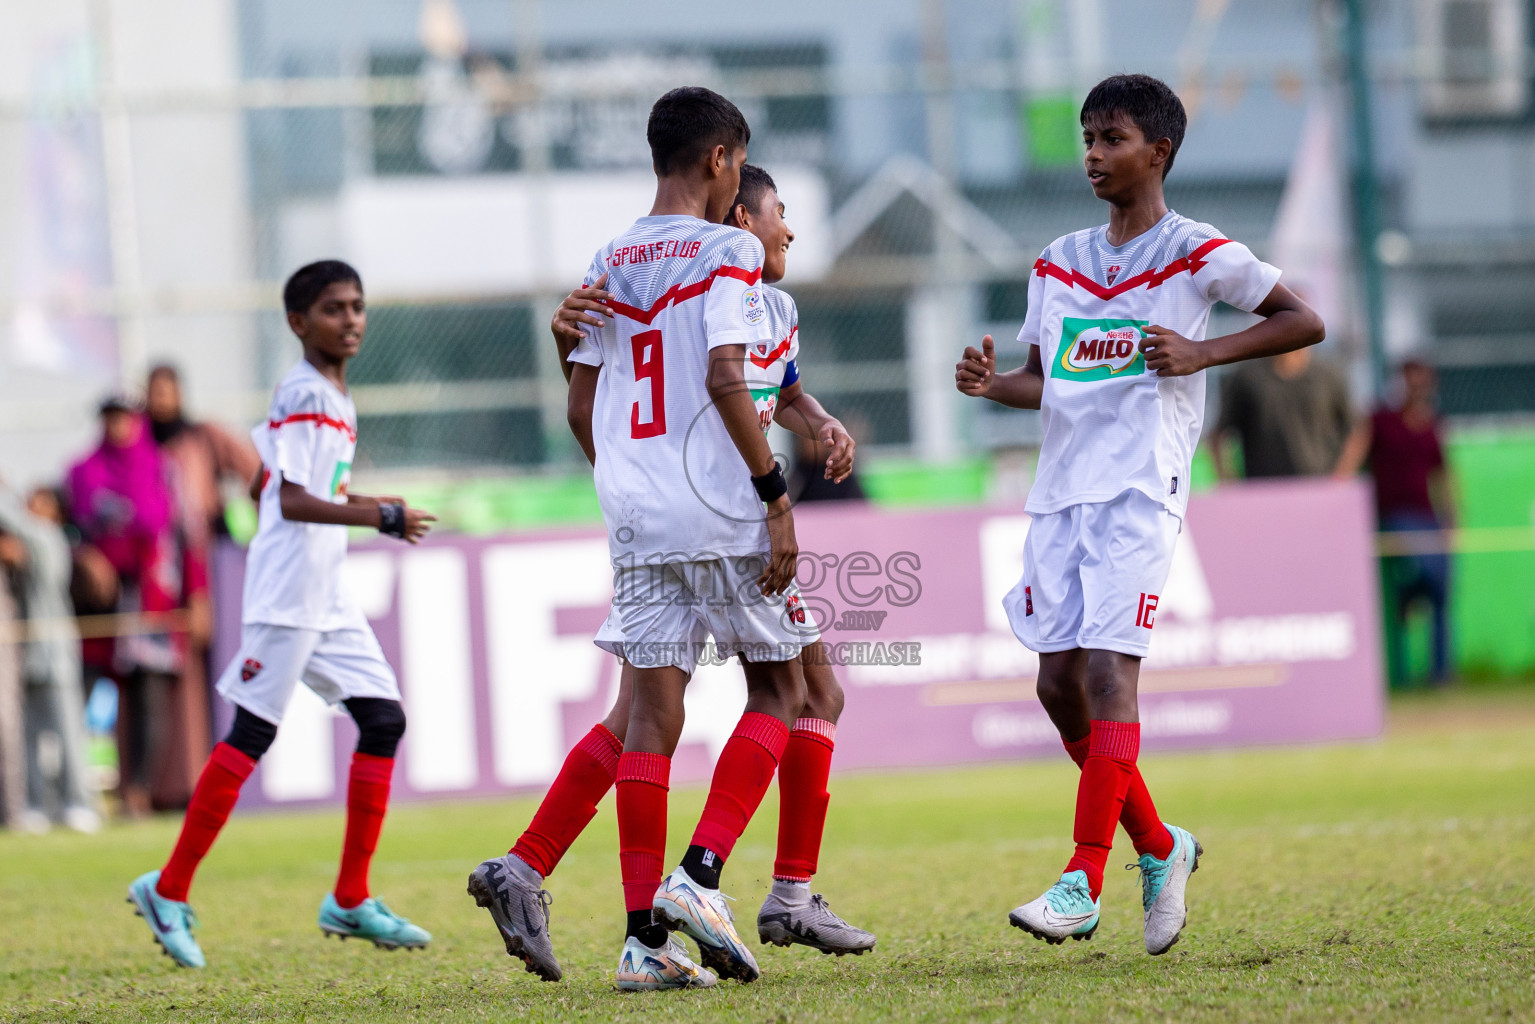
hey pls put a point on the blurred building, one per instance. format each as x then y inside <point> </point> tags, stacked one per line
<point>163,164</point>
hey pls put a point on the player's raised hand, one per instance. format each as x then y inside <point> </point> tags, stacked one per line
<point>417,524</point>
<point>580,307</point>
<point>840,446</point>
<point>1170,354</point>
<point>783,548</point>
<point>974,372</point>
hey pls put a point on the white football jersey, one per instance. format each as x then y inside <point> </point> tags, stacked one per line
<point>771,365</point>
<point>1110,426</point>
<point>672,486</point>
<point>293,570</point>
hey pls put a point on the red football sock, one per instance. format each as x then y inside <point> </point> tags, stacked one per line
<point>1140,819</point>
<point>367,798</point>
<point>641,796</point>
<point>218,787</point>
<point>802,798</point>
<point>741,777</point>
<point>584,778</point>
<point>1113,748</point>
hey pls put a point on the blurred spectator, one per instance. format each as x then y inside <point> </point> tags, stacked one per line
<point>13,773</point>
<point>121,500</point>
<point>206,455</point>
<point>1402,446</point>
<point>54,713</point>
<point>1290,414</point>
<point>808,481</point>
<point>205,458</point>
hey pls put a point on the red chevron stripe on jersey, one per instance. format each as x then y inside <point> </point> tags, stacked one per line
<point>1073,278</point>
<point>682,292</point>
<point>317,418</point>
<point>783,346</point>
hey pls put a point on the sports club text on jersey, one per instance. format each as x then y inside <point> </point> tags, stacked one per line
<point>670,481</point>
<point>680,248</point>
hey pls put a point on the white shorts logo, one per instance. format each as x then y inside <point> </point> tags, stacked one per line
<point>752,308</point>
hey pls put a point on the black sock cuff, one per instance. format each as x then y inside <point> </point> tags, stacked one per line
<point>703,865</point>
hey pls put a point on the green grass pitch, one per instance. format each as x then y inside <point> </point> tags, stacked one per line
<point>1378,881</point>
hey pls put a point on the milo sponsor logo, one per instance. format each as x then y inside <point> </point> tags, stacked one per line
<point>1099,349</point>
<point>766,401</point>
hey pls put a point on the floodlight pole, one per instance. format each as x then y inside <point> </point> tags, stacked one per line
<point>1364,189</point>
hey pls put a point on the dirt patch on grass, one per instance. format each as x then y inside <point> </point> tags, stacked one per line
<point>1456,709</point>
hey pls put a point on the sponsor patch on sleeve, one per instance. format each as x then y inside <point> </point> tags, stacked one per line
<point>752,307</point>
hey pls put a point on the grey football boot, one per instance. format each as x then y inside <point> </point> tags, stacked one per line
<point>505,886</point>
<point>810,923</point>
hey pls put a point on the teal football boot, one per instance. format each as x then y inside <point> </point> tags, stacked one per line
<point>1162,887</point>
<point>373,921</point>
<point>1067,910</point>
<point>170,921</point>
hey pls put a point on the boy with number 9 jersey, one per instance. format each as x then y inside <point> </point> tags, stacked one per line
<point>1115,333</point>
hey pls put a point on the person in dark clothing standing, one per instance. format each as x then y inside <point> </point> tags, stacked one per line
<point>1413,496</point>
<point>1290,413</point>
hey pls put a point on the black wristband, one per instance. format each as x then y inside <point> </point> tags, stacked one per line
<point>391,519</point>
<point>771,485</point>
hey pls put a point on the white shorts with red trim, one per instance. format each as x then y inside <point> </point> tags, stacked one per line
<point>1093,575</point>
<point>273,660</point>
<point>681,613</point>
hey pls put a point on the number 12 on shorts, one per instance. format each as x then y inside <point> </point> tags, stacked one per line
<point>649,365</point>
<point>1145,614</point>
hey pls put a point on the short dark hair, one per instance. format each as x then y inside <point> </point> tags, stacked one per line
<point>1149,102</point>
<point>309,282</point>
<point>755,183</point>
<point>687,121</point>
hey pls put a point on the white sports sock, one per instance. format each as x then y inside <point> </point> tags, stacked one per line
<point>791,892</point>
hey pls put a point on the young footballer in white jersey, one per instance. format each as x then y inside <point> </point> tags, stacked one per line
<point>510,887</point>
<point>683,473</point>
<point>1115,331</point>
<point>299,624</point>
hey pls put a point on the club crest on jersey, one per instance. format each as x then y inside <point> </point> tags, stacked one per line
<point>1099,349</point>
<point>249,670</point>
<point>1113,272</point>
<point>752,308</point>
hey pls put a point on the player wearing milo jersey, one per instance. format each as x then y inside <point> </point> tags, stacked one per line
<point>1116,338</point>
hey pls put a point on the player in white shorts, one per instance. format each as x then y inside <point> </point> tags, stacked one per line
<point>1115,334</point>
<point>299,624</point>
<point>683,473</point>
<point>510,887</point>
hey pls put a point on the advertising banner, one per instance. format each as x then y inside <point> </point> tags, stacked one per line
<point>1266,632</point>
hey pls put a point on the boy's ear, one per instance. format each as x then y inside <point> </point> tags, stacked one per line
<point>298,323</point>
<point>1161,150</point>
<point>719,158</point>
